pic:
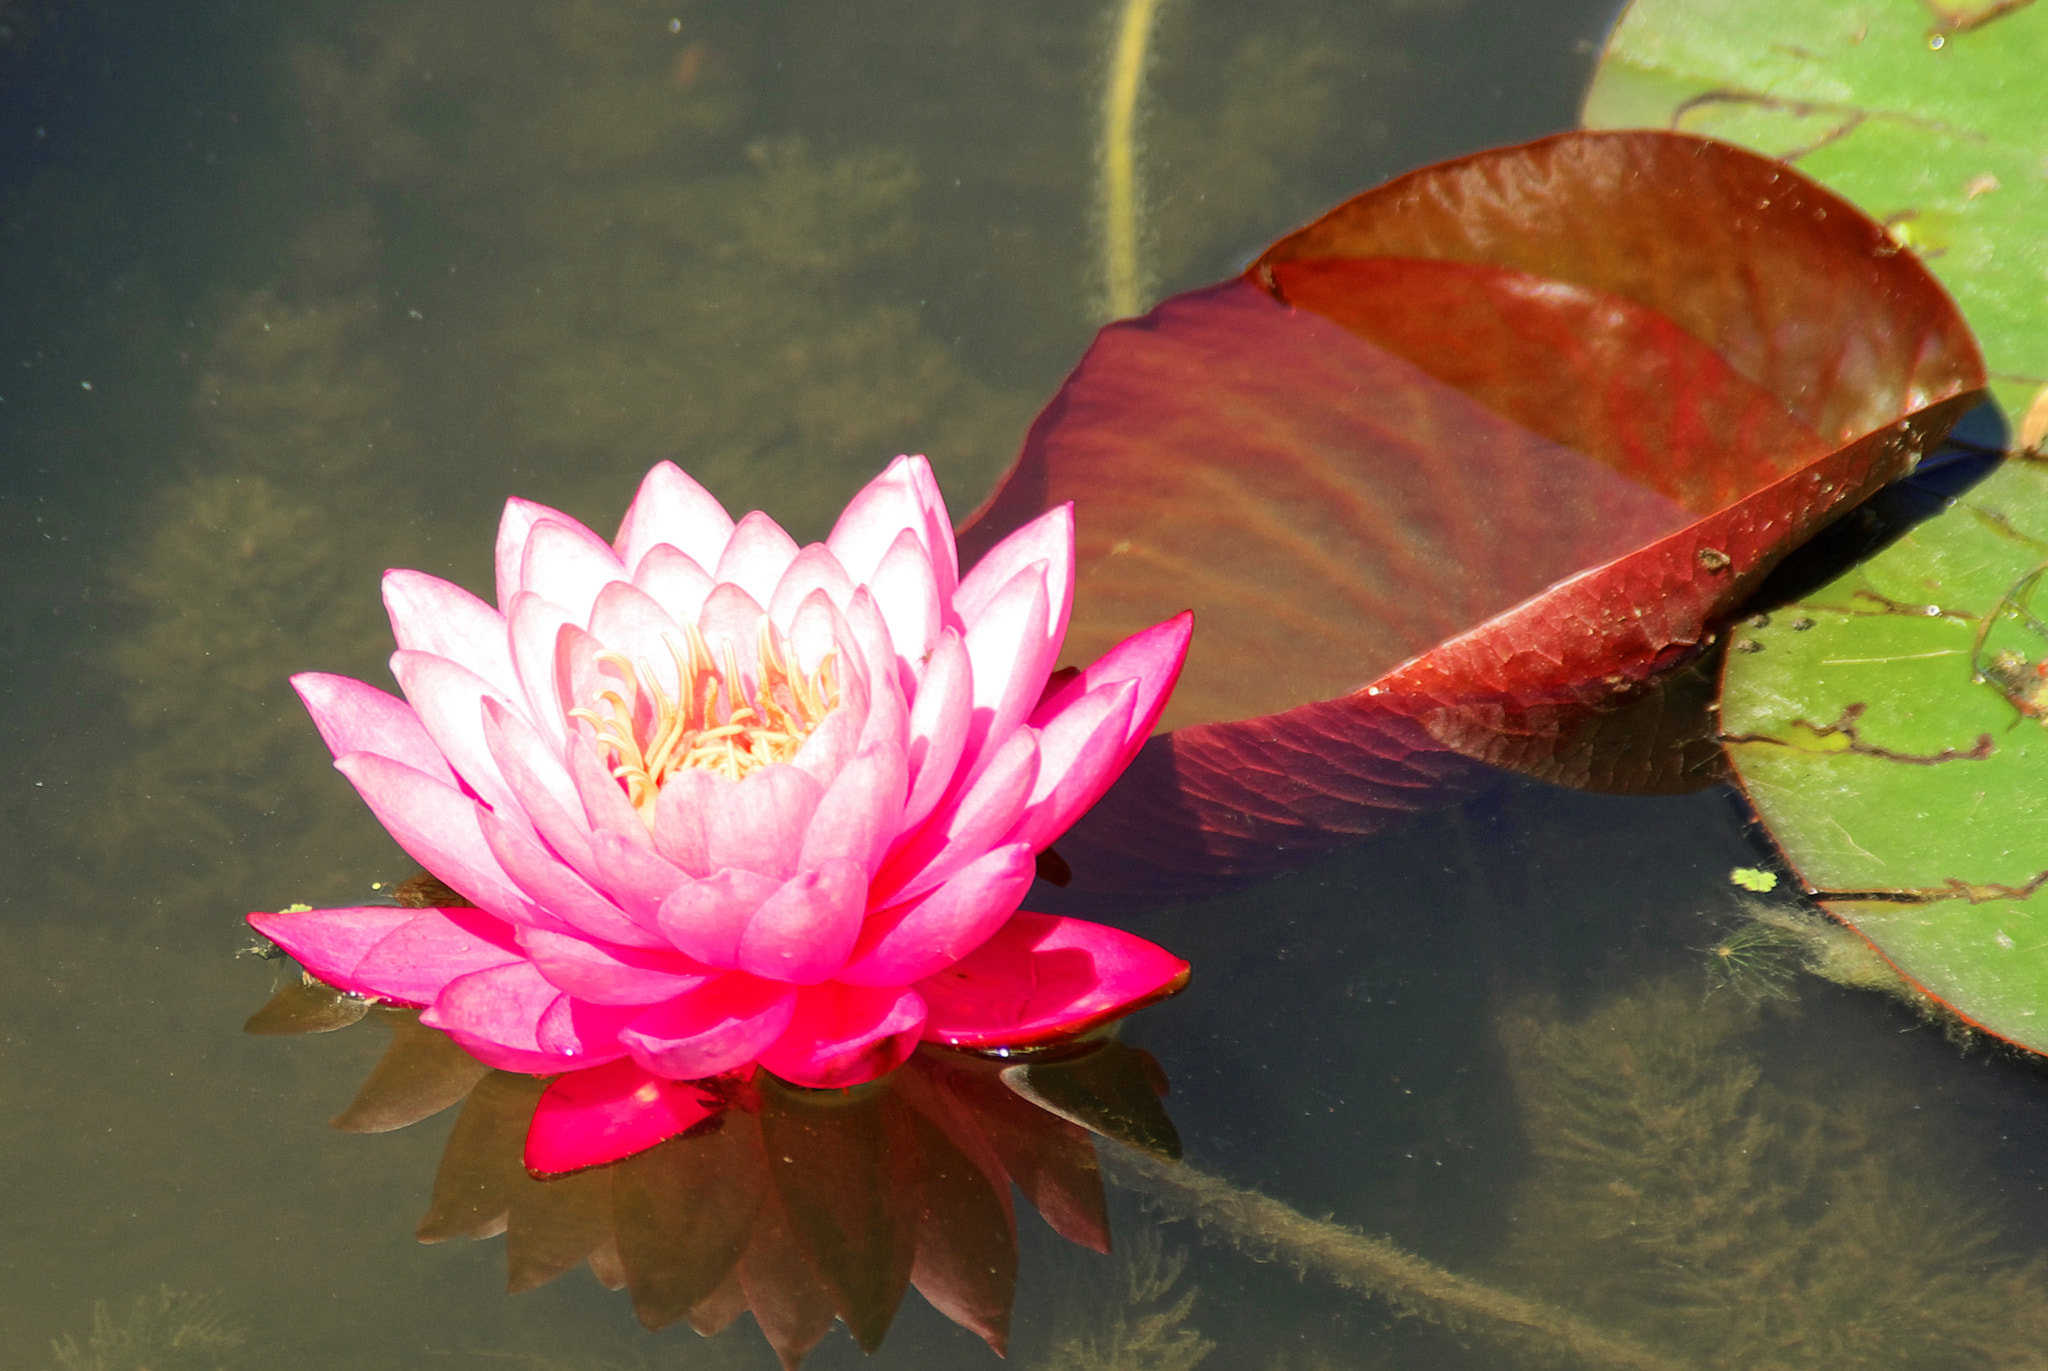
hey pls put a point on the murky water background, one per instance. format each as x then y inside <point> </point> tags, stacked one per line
<point>289,294</point>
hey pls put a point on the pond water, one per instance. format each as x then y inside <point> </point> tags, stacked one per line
<point>290,294</point>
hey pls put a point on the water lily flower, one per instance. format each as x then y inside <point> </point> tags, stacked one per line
<point>719,800</point>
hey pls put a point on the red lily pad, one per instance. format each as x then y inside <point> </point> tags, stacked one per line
<point>1469,474</point>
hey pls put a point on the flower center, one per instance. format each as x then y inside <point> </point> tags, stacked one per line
<point>714,722</point>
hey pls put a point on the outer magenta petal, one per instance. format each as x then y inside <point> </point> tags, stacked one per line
<point>608,1113</point>
<point>418,960</point>
<point>965,828</point>
<point>1152,657</point>
<point>672,508</point>
<point>439,826</point>
<point>1042,978</point>
<point>608,974</point>
<point>717,1028</point>
<point>497,1017</point>
<point>329,942</point>
<point>1012,657</point>
<point>704,919</point>
<point>1079,753</point>
<point>354,717</point>
<point>561,898</point>
<point>534,627</point>
<point>842,1035</point>
<point>801,934</point>
<point>449,699</point>
<point>938,726</point>
<point>1050,539</point>
<point>924,936</point>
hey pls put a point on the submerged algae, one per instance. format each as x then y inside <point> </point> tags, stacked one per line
<point>1683,1194</point>
<point>161,1330</point>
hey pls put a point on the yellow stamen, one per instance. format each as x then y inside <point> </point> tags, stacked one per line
<point>753,730</point>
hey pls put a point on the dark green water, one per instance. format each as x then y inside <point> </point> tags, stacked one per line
<point>291,294</point>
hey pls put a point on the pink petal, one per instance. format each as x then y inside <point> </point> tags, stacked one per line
<point>1041,978</point>
<point>671,508</point>
<point>801,934</point>
<point>606,973</point>
<point>861,811</point>
<point>761,824</point>
<point>415,963</point>
<point>429,614</point>
<point>514,529</point>
<point>568,564</point>
<point>635,876</point>
<point>814,570</point>
<point>541,787</point>
<point>886,679</point>
<point>756,557</point>
<point>1152,657</point>
<point>675,581</point>
<point>605,805</point>
<point>535,628</point>
<point>1012,657</point>
<point>843,1035</point>
<point>831,745</point>
<point>354,717</point>
<point>497,1015</point>
<point>439,826</point>
<point>681,813</point>
<point>1045,978</point>
<point>928,934</point>
<point>938,726</point>
<point>608,1113</point>
<point>627,620</point>
<point>449,699</point>
<point>732,618</point>
<point>567,902</point>
<point>906,592</point>
<point>717,1028</point>
<point>965,828</point>
<point>906,496</point>
<point>704,919</point>
<point>1050,539</point>
<point>329,942</point>
<point>1080,752</point>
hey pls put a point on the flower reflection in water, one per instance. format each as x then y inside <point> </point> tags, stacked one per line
<point>800,1205</point>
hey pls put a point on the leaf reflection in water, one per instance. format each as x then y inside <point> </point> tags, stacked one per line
<point>803,1206</point>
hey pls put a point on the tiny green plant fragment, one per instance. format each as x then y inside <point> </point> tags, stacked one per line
<point>1754,878</point>
<point>1927,115</point>
<point>1896,748</point>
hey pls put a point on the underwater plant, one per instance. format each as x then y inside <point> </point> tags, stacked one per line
<point>162,1330</point>
<point>1140,1321</point>
<point>716,801</point>
<point>1682,1196</point>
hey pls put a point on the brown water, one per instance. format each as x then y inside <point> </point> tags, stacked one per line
<point>289,294</point>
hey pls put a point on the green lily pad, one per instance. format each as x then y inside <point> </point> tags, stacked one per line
<point>1892,731</point>
<point>1927,116</point>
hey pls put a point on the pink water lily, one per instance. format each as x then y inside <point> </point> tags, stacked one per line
<point>719,801</point>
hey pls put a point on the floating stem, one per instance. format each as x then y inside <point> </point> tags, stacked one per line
<point>1121,205</point>
<point>1270,1230</point>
